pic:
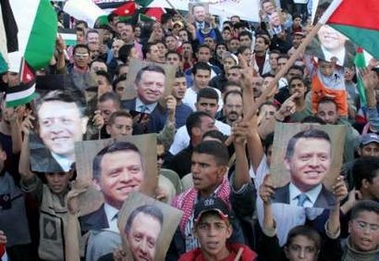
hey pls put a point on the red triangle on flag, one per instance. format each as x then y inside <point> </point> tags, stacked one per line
<point>126,10</point>
<point>155,13</point>
<point>27,74</point>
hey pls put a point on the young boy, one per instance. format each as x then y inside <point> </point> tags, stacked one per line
<point>363,242</point>
<point>52,198</point>
<point>213,227</point>
<point>328,81</point>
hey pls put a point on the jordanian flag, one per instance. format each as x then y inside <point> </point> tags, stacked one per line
<point>359,21</point>
<point>37,30</point>
<point>360,64</point>
<point>20,94</point>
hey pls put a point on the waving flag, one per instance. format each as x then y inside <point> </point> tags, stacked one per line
<point>360,64</point>
<point>37,31</point>
<point>359,21</point>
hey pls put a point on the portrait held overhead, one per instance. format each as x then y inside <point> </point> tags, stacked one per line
<point>61,121</point>
<point>308,158</point>
<point>189,130</point>
<point>147,227</point>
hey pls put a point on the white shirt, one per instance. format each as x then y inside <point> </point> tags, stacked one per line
<point>182,139</point>
<point>311,195</point>
<point>294,215</point>
<point>112,216</point>
<point>149,107</point>
<point>191,96</point>
<point>339,55</point>
<point>64,162</point>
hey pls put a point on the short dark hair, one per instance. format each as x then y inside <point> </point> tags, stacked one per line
<point>216,134</point>
<point>165,18</point>
<point>179,74</point>
<point>118,79</point>
<point>150,210</point>
<point>80,46</point>
<point>110,96</point>
<point>325,99</point>
<point>126,23</point>
<point>296,78</point>
<point>66,96</point>
<point>91,31</point>
<point>107,76</point>
<point>120,113</point>
<point>203,46</point>
<point>232,83</point>
<point>364,205</point>
<point>200,66</point>
<point>245,33</point>
<point>265,38</point>
<point>197,5</point>
<point>242,48</point>
<point>147,48</point>
<point>307,134</point>
<point>173,52</point>
<point>366,167</point>
<point>305,231</point>
<point>194,120</point>
<point>232,92</point>
<point>124,52</point>
<point>214,148</point>
<point>149,68</point>
<point>313,119</point>
<point>112,148</point>
<point>208,93</point>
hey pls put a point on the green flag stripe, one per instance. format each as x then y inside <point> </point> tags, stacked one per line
<point>41,43</point>
<point>360,63</point>
<point>19,102</point>
<point>365,38</point>
<point>3,64</point>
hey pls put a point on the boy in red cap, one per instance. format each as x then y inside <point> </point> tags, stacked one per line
<point>213,227</point>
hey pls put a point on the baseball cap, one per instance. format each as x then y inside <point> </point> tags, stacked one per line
<point>211,204</point>
<point>368,138</point>
<point>180,23</point>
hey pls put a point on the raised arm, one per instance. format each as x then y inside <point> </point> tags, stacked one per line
<point>24,165</point>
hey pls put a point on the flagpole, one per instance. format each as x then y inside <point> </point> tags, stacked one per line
<point>332,7</point>
<point>175,10</point>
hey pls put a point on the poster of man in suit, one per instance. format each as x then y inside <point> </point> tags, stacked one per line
<point>311,156</point>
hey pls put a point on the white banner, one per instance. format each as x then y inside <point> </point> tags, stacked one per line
<point>246,9</point>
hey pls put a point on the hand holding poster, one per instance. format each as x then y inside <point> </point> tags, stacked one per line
<point>312,157</point>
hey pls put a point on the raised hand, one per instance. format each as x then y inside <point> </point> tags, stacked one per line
<point>267,189</point>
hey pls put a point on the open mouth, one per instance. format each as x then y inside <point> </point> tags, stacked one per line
<point>60,139</point>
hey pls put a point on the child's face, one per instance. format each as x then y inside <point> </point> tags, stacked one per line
<point>364,231</point>
<point>212,233</point>
<point>301,248</point>
<point>58,182</point>
<point>326,68</point>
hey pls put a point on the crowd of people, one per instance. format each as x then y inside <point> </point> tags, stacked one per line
<point>215,135</point>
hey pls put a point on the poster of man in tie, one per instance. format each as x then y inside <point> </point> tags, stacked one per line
<point>306,163</point>
<point>330,45</point>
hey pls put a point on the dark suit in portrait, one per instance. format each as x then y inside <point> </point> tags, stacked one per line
<point>96,220</point>
<point>156,119</point>
<point>314,48</point>
<point>325,198</point>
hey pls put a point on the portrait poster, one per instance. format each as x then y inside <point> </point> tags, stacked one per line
<point>86,152</point>
<point>61,118</point>
<point>130,92</point>
<point>159,222</point>
<point>281,167</point>
<point>329,44</point>
<point>204,4</point>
